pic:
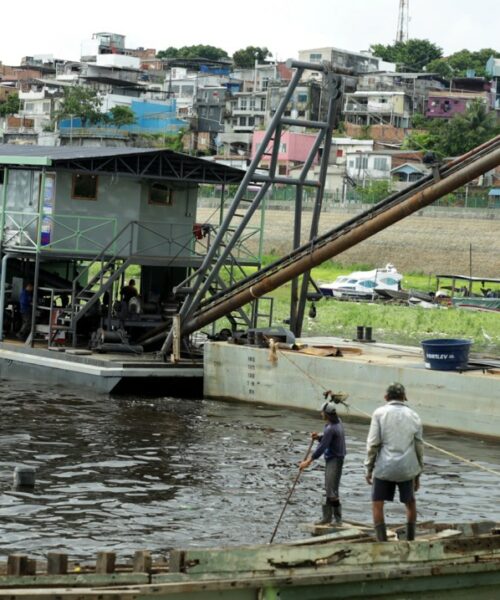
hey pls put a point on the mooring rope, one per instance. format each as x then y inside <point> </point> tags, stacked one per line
<point>350,405</point>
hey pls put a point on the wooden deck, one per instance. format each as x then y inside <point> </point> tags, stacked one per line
<point>446,561</point>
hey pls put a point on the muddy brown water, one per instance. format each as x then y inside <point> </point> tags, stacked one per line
<point>124,474</point>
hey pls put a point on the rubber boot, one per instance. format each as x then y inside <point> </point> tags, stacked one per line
<point>410,531</point>
<point>337,512</point>
<point>381,532</point>
<point>327,515</point>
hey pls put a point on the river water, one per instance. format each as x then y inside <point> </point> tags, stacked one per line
<point>124,474</point>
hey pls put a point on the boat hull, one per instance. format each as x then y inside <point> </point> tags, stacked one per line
<point>464,402</point>
<point>442,566</point>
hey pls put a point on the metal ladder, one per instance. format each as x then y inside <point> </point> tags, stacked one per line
<point>196,287</point>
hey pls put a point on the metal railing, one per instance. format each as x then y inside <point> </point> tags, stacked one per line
<point>21,232</point>
<point>53,311</point>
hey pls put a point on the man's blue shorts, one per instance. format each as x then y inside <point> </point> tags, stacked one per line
<point>384,490</point>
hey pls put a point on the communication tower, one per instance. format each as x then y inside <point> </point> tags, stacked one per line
<point>403,20</point>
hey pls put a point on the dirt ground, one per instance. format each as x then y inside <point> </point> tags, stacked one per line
<point>426,244</point>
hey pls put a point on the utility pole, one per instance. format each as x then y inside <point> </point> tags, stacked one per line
<point>403,20</point>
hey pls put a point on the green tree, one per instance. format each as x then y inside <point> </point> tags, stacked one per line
<point>464,132</point>
<point>457,64</point>
<point>82,102</point>
<point>374,191</point>
<point>169,52</point>
<point>458,135</point>
<point>197,51</point>
<point>10,106</point>
<point>122,115</point>
<point>412,55</point>
<point>245,57</point>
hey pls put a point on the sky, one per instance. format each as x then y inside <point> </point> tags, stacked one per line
<point>284,26</point>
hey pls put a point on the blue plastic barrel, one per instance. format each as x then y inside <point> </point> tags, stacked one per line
<point>446,355</point>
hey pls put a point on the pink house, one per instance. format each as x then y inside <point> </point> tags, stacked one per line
<point>294,149</point>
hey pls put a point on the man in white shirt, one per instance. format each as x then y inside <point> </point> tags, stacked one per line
<point>394,458</point>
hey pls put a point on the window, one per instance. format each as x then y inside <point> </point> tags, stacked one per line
<point>243,121</point>
<point>315,57</point>
<point>283,147</point>
<point>252,104</point>
<point>282,169</point>
<point>361,162</point>
<point>340,153</point>
<point>380,164</point>
<point>301,97</point>
<point>251,120</point>
<point>415,176</point>
<point>160,193</point>
<point>46,107</point>
<point>84,187</point>
<point>29,107</point>
<point>243,103</point>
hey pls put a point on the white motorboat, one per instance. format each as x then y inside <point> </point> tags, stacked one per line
<point>363,285</point>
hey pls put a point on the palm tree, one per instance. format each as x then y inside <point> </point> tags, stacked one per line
<point>477,125</point>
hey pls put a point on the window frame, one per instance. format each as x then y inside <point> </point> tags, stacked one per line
<point>170,190</point>
<point>74,196</point>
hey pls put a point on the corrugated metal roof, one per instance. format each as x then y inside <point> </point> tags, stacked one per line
<point>70,152</point>
<point>153,162</point>
<point>494,192</point>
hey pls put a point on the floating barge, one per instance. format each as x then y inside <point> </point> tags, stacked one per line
<point>465,402</point>
<point>449,561</point>
<point>103,373</point>
<point>77,224</point>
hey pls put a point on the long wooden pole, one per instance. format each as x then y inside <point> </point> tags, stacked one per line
<point>296,480</point>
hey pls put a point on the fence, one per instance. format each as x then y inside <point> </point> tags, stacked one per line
<point>286,194</point>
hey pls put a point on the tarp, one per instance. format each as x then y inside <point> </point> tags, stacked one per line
<point>494,192</point>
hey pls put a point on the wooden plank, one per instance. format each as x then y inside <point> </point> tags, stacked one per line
<point>343,535</point>
<point>57,563</point>
<point>18,564</point>
<point>259,558</point>
<point>105,563</point>
<point>143,561</point>
<point>74,580</point>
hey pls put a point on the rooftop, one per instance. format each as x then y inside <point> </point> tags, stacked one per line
<point>135,162</point>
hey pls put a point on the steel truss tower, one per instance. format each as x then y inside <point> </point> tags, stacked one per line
<point>403,20</point>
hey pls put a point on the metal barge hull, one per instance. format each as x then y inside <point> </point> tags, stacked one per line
<point>102,373</point>
<point>464,402</point>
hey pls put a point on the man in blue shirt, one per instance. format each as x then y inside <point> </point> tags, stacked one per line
<point>332,446</point>
<point>25,308</point>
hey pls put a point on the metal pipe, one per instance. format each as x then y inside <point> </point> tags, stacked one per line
<point>321,67</point>
<point>350,238</point>
<point>325,160</point>
<point>31,339</point>
<point>3,278</point>
<point>294,294</point>
<point>283,180</point>
<point>360,218</point>
<point>304,123</point>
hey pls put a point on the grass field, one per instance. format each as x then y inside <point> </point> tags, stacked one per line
<point>391,323</point>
